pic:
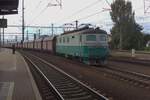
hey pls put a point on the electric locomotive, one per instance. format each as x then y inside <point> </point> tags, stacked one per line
<point>90,45</point>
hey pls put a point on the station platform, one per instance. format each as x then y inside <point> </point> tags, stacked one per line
<point>16,81</point>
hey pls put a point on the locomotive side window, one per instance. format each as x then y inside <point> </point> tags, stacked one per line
<point>67,39</point>
<point>60,40</point>
<point>103,38</point>
<point>80,38</point>
<point>63,39</point>
<point>91,38</point>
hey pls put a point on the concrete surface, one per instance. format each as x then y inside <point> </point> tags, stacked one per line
<point>16,81</point>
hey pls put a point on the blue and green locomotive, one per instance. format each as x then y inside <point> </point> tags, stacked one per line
<point>87,44</point>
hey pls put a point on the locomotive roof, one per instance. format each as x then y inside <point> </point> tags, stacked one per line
<point>86,30</point>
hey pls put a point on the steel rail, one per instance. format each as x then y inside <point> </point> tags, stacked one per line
<point>131,72</point>
<point>59,95</point>
<point>101,97</point>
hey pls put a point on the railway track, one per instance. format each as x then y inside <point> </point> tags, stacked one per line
<point>46,90</point>
<point>132,77</point>
<point>135,78</point>
<point>131,60</point>
<point>65,87</point>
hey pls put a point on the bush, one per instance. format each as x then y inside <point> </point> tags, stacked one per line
<point>147,48</point>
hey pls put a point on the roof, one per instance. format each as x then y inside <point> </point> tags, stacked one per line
<point>86,30</point>
<point>49,38</point>
<point>8,7</point>
<point>38,39</point>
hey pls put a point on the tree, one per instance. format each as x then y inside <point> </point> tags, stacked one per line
<point>126,33</point>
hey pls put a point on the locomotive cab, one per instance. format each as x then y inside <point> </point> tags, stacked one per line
<point>95,48</point>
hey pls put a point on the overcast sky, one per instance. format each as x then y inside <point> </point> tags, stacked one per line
<point>38,12</point>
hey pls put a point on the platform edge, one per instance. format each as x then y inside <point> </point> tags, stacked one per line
<point>35,89</point>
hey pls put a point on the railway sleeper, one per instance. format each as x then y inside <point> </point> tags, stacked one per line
<point>47,91</point>
<point>77,91</point>
<point>133,80</point>
<point>69,89</point>
<point>56,77</point>
<point>50,98</point>
<point>87,97</point>
<point>67,85</point>
<point>138,75</point>
<point>61,82</point>
<point>59,85</point>
<point>77,94</point>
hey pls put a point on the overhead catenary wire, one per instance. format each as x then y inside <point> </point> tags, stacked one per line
<point>91,15</point>
<point>42,11</point>
<point>81,10</point>
<point>58,1</point>
<point>88,16</point>
<point>78,17</point>
<point>85,8</point>
<point>77,12</point>
<point>35,18</point>
<point>108,3</point>
<point>36,7</point>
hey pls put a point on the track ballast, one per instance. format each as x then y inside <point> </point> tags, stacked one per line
<point>64,86</point>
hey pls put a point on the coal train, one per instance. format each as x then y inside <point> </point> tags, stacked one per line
<point>89,45</point>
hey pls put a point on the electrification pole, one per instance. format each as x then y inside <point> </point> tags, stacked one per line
<point>0,37</point>
<point>120,39</point>
<point>16,38</point>
<point>52,29</point>
<point>27,36</point>
<point>23,20</point>
<point>144,5</point>
<point>3,33</point>
<point>61,4</point>
<point>39,33</point>
<point>76,24</point>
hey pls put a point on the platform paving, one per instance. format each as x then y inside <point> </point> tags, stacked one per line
<point>16,81</point>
